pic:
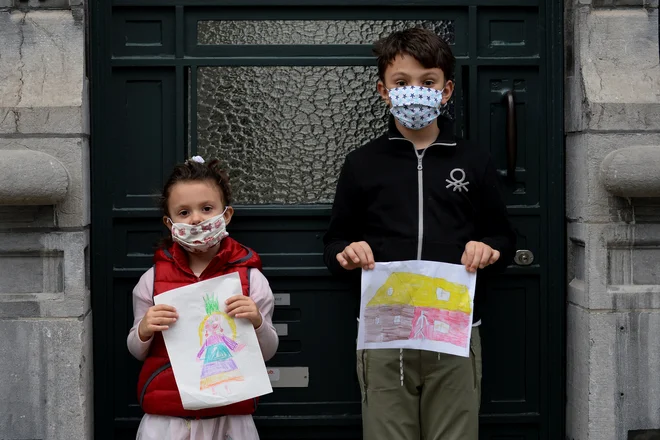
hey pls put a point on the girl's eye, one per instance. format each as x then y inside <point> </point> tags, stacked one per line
<point>207,208</point>
<point>428,82</point>
<point>183,213</point>
<point>400,83</point>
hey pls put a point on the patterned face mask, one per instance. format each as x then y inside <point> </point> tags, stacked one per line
<point>202,236</point>
<point>415,107</point>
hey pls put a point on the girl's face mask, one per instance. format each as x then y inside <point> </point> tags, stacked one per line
<point>415,107</point>
<point>202,236</point>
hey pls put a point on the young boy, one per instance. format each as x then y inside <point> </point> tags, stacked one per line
<point>418,192</point>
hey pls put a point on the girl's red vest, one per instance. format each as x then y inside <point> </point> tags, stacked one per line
<point>157,390</point>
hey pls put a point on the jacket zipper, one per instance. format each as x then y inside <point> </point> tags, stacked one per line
<point>420,190</point>
<point>151,378</point>
<point>420,202</point>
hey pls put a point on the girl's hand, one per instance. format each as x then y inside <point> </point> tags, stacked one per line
<point>157,319</point>
<point>241,306</point>
<point>478,255</point>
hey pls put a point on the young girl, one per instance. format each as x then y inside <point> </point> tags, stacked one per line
<point>196,204</point>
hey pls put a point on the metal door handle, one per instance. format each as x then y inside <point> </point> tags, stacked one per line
<point>511,135</point>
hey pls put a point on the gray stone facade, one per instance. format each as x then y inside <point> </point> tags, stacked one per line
<point>612,108</point>
<point>45,311</point>
<point>612,123</point>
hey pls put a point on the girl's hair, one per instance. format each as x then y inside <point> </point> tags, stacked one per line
<point>191,171</point>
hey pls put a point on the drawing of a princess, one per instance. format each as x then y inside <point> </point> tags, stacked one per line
<point>217,348</point>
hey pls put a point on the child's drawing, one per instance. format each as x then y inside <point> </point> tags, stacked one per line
<point>417,304</point>
<point>216,359</point>
<point>217,336</point>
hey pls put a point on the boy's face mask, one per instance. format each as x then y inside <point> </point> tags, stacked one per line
<point>415,107</point>
<point>202,236</point>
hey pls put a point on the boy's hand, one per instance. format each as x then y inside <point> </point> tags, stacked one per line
<point>478,255</point>
<point>356,255</point>
<point>241,306</point>
<point>156,319</point>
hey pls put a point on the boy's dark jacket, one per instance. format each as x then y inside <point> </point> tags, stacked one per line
<point>378,201</point>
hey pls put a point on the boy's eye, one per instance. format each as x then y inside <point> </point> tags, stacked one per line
<point>400,83</point>
<point>429,82</point>
<point>183,213</point>
<point>207,208</point>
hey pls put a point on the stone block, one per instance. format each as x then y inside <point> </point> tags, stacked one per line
<point>632,171</point>
<point>614,80</point>
<point>46,379</point>
<point>44,275</point>
<point>617,3</point>
<point>577,373</point>
<point>31,216</point>
<point>44,4</point>
<point>74,210</point>
<point>32,272</point>
<point>43,72</point>
<point>621,271</point>
<point>31,178</point>
<point>587,199</point>
<point>613,383</point>
<point>637,378</point>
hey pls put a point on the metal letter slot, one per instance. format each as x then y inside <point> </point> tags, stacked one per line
<point>288,377</point>
<point>524,257</point>
<point>281,329</point>
<point>282,299</point>
<point>511,136</point>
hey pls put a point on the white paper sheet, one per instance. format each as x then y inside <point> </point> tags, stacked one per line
<point>216,359</point>
<point>423,305</point>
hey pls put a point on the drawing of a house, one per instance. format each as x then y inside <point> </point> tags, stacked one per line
<point>413,306</point>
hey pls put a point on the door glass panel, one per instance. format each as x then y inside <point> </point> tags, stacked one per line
<point>237,32</point>
<point>283,131</point>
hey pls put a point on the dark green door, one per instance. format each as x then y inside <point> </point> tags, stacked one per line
<point>281,91</point>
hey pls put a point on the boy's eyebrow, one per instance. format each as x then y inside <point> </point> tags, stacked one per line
<point>428,72</point>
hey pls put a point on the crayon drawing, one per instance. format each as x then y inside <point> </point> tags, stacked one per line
<point>418,304</point>
<point>217,336</point>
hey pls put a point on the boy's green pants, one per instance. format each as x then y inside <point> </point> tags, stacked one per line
<point>439,399</point>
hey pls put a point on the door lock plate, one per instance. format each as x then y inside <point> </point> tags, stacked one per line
<point>524,257</point>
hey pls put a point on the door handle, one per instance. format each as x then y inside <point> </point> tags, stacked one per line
<point>511,135</point>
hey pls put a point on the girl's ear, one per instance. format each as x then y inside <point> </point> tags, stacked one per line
<point>167,222</point>
<point>229,213</point>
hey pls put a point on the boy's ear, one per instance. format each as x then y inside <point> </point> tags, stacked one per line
<point>448,91</point>
<point>382,91</point>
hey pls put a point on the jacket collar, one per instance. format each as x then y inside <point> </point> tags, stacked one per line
<point>230,253</point>
<point>446,136</point>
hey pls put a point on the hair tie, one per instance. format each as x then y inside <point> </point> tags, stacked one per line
<point>198,159</point>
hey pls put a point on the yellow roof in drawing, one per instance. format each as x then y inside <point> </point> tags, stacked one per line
<point>405,288</point>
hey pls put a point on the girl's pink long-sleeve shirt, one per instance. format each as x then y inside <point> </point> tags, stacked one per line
<point>259,292</point>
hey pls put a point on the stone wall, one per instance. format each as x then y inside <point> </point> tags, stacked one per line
<point>612,109</point>
<point>45,313</point>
